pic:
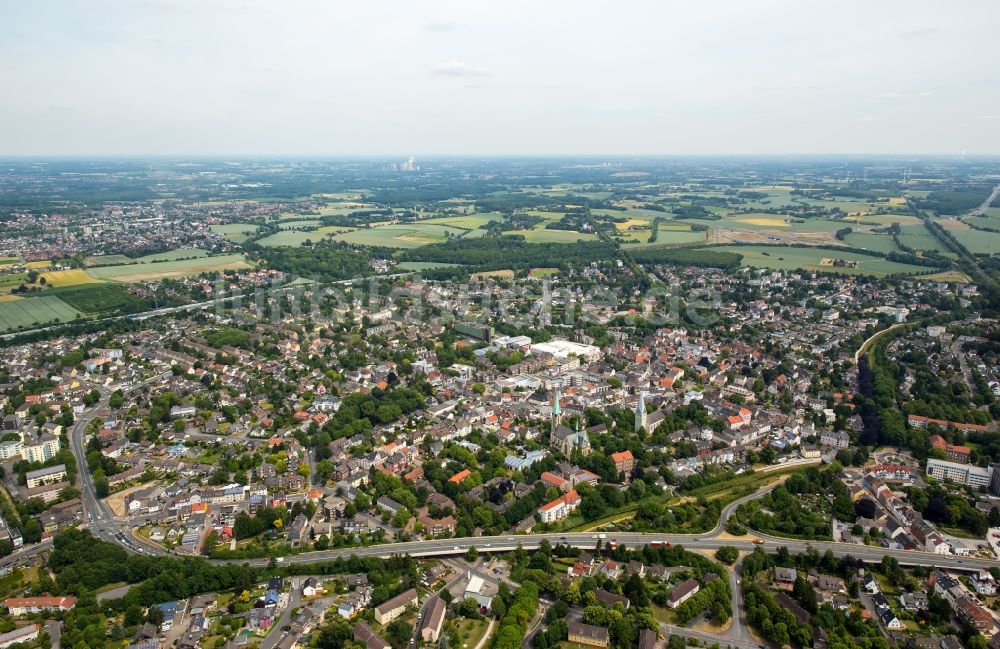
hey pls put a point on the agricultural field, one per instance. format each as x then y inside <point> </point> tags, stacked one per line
<point>151,272</point>
<point>498,274</point>
<point>401,235</point>
<point>172,255</point>
<point>108,260</point>
<point>542,235</point>
<point>235,232</point>
<point>296,225</point>
<point>883,243</point>
<point>287,238</point>
<point>918,237</point>
<point>956,276</point>
<point>73,277</point>
<point>669,234</point>
<point>990,220</point>
<point>34,311</point>
<point>425,265</point>
<point>468,221</point>
<point>810,259</point>
<point>978,242</point>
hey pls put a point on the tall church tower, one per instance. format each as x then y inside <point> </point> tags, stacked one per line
<point>640,411</point>
<point>556,410</point>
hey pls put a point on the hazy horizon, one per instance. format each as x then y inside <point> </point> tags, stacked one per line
<point>442,79</point>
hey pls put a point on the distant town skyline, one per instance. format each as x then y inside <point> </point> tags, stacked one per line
<point>163,77</point>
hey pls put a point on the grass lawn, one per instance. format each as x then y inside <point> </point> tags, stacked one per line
<point>470,632</point>
<point>662,615</point>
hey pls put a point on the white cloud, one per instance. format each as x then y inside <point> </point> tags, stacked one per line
<point>867,118</point>
<point>986,118</point>
<point>441,26</point>
<point>459,69</point>
<point>903,95</point>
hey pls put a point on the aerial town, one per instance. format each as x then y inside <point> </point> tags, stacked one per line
<point>365,420</point>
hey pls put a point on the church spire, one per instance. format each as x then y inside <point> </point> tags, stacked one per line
<point>640,411</point>
<point>556,410</point>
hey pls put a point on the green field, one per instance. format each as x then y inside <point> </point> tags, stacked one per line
<point>149,272</point>
<point>552,236</point>
<point>287,238</point>
<point>35,311</point>
<point>978,242</point>
<point>468,221</point>
<point>808,259</point>
<point>235,232</point>
<point>297,225</point>
<point>172,255</point>
<point>918,237</point>
<point>424,265</point>
<point>872,241</point>
<point>667,235</point>
<point>401,235</point>
<point>106,260</point>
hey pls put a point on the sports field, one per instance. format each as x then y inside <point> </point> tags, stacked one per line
<point>810,259</point>
<point>34,311</point>
<point>151,272</point>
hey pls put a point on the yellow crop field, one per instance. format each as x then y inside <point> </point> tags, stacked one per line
<point>69,277</point>
<point>503,274</point>
<point>625,226</point>
<point>770,222</point>
<point>9,297</point>
<point>38,264</point>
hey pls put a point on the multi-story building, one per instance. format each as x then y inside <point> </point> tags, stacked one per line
<point>42,449</point>
<point>48,475</point>
<point>559,508</point>
<point>965,474</point>
<point>393,608</point>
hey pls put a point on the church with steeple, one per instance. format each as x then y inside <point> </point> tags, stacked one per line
<point>640,412</point>
<point>562,438</point>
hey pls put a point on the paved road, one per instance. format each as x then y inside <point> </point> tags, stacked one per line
<point>278,632</point>
<point>668,629</point>
<point>985,204</point>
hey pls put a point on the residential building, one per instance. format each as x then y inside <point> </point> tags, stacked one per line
<point>588,634</point>
<point>390,610</point>
<point>682,593</point>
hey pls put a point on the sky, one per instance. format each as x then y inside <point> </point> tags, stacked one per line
<point>482,77</point>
